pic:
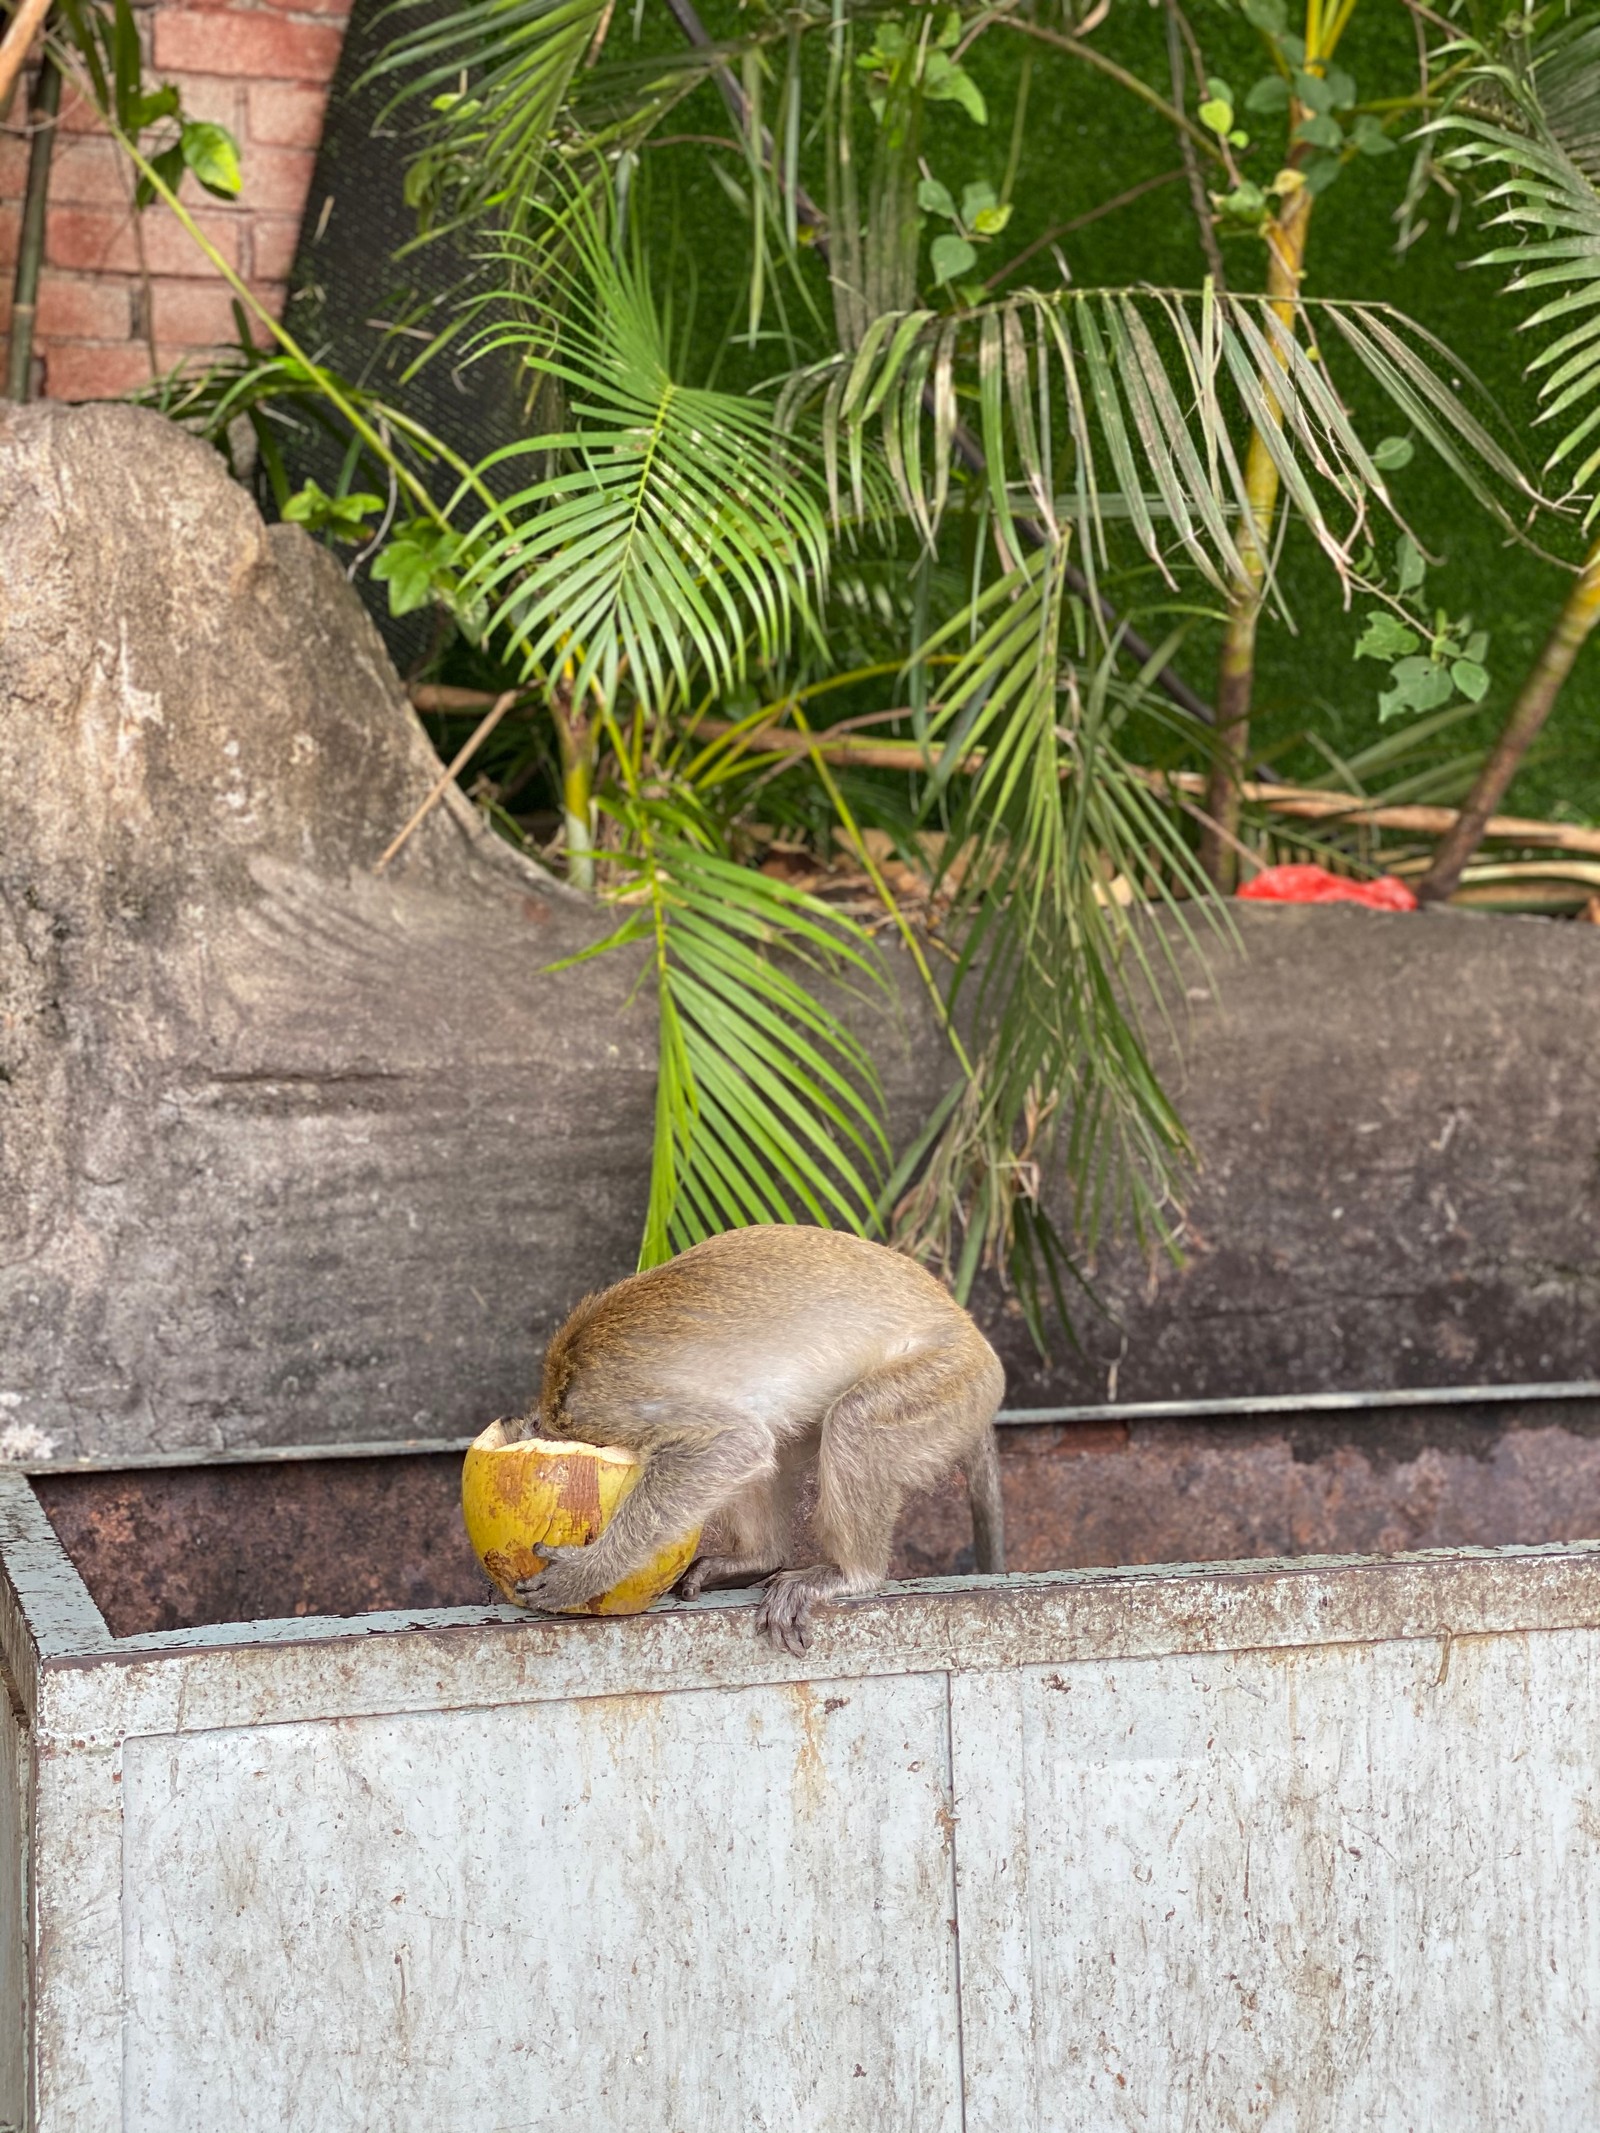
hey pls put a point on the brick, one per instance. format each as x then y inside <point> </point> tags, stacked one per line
<point>261,46</point>
<point>91,240</point>
<point>99,240</point>
<point>13,165</point>
<point>272,246</point>
<point>334,9</point>
<point>195,314</point>
<point>82,370</point>
<point>10,223</point>
<point>89,172</point>
<point>286,114</point>
<point>78,113</point>
<point>96,310</point>
<point>216,98</point>
<point>275,180</point>
<point>93,172</point>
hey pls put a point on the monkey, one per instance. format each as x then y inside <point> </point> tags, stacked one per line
<point>732,1367</point>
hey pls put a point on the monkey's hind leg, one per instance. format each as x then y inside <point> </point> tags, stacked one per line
<point>897,1429</point>
<point>757,1527</point>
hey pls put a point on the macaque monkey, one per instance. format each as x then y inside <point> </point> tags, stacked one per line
<point>729,1368</point>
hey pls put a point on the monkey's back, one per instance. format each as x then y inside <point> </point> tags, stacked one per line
<point>776,1314</point>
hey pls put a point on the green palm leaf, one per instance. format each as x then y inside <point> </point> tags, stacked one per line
<point>498,80</point>
<point>1054,826</point>
<point>675,532</point>
<point>1536,127</point>
<point>1147,387</point>
<point>768,1108</point>
<point>493,74</point>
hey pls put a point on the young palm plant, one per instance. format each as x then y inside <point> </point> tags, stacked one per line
<point>665,546</point>
<point>660,573</point>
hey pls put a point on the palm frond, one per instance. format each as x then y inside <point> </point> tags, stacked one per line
<point>1065,848</point>
<point>675,532</point>
<point>1566,79</point>
<point>495,82</point>
<point>768,1108</point>
<point>1142,393</point>
<point>492,76</point>
<point>1536,128</point>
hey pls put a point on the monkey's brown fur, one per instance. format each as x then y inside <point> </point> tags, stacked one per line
<point>728,1369</point>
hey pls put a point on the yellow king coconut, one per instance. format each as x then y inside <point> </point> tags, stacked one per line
<point>530,1492</point>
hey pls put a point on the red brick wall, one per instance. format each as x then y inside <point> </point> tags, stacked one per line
<point>256,67</point>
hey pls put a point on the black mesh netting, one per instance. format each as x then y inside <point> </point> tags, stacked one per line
<point>367,313</point>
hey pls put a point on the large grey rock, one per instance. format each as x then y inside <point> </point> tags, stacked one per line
<point>290,1153</point>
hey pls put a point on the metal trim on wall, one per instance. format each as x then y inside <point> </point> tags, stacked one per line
<point>1255,1406</point>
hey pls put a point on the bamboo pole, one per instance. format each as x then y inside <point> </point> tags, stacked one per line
<point>1236,673</point>
<point>1305,802</point>
<point>1286,251</point>
<point>30,246</point>
<point>575,740</point>
<point>499,706</point>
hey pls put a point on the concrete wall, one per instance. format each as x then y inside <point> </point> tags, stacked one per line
<point>1104,1852</point>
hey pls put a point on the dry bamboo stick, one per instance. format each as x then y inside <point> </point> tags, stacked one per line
<point>1307,802</point>
<point>499,706</point>
<point>14,46</point>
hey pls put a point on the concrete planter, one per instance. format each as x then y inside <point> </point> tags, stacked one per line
<point>1289,1843</point>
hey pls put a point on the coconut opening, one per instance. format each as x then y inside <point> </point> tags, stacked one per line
<point>502,1436</point>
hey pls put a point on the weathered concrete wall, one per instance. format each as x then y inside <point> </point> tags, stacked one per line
<point>289,1152</point>
<point>1130,1851</point>
<point>1399,1121</point>
<point>292,1154</point>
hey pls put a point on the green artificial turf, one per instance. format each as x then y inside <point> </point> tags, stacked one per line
<point>1085,141</point>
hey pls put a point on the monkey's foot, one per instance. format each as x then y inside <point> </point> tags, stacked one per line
<point>567,1580</point>
<point>785,1610</point>
<point>708,1570</point>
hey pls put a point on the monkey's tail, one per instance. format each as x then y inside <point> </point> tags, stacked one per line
<point>988,1508</point>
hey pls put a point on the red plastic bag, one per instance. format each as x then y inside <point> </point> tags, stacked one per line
<point>1315,885</point>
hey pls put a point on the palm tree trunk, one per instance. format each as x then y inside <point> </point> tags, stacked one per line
<point>1286,248</point>
<point>1532,707</point>
<point>575,738</point>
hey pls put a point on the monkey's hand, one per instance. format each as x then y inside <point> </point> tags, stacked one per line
<point>567,1580</point>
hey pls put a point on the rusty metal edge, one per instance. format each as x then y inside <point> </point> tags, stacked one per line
<point>1311,1403</point>
<point>1244,1409</point>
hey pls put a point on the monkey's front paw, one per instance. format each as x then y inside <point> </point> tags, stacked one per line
<point>565,1581</point>
<point>785,1610</point>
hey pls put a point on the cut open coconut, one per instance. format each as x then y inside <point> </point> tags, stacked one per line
<point>520,1494</point>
